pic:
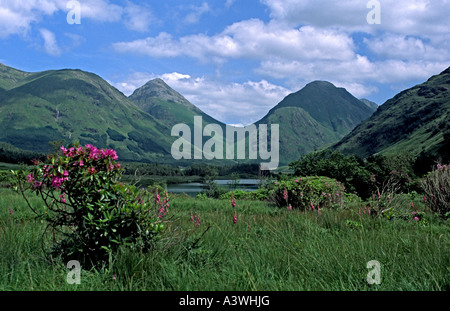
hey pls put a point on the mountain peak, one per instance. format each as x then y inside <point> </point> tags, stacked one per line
<point>157,88</point>
<point>320,83</point>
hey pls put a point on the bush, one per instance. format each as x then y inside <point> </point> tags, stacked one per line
<point>437,190</point>
<point>350,170</point>
<point>89,212</point>
<point>308,193</point>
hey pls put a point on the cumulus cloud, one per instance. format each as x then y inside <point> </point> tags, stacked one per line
<point>17,17</point>
<point>250,39</point>
<point>241,103</point>
<point>392,46</point>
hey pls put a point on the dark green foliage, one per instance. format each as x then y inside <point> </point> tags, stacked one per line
<point>114,135</point>
<point>349,170</point>
<point>308,193</point>
<point>12,154</point>
<point>362,177</point>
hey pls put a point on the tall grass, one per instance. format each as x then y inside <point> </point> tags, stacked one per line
<point>267,249</point>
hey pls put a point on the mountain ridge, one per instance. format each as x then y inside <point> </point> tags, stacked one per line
<point>416,120</point>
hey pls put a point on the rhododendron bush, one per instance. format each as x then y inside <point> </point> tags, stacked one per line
<point>88,210</point>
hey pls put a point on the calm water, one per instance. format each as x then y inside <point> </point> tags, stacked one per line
<point>193,189</point>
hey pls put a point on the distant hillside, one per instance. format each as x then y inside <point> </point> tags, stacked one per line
<point>317,115</point>
<point>167,105</point>
<point>416,120</point>
<point>69,105</point>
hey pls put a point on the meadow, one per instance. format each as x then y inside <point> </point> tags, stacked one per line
<point>265,248</point>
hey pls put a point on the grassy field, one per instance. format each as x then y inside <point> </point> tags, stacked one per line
<point>267,249</point>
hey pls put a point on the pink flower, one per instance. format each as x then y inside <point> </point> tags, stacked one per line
<point>285,194</point>
<point>62,198</point>
<point>312,206</point>
<point>10,211</point>
<point>416,218</point>
<point>57,182</point>
<point>235,218</point>
<point>233,201</point>
<point>30,178</point>
<point>109,153</point>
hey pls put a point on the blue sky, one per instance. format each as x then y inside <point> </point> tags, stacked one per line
<point>234,59</point>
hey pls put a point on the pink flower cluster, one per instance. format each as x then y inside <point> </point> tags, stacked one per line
<point>442,167</point>
<point>196,219</point>
<point>233,204</point>
<point>285,194</point>
<point>92,152</point>
<point>164,205</point>
<point>33,182</point>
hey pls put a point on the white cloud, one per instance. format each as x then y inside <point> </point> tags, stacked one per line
<point>250,39</point>
<point>196,13</point>
<point>17,17</point>
<point>392,46</point>
<point>240,103</point>
<point>138,17</point>
<point>229,3</point>
<point>412,17</point>
<point>50,45</point>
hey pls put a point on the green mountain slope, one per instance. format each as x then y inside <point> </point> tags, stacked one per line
<point>317,115</point>
<point>69,105</point>
<point>416,120</point>
<point>167,105</point>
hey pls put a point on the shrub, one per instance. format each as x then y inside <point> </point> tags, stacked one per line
<point>436,186</point>
<point>89,212</point>
<point>350,170</point>
<point>308,193</point>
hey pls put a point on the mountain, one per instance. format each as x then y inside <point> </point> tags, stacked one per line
<point>370,104</point>
<point>170,107</point>
<point>317,115</point>
<point>416,120</point>
<point>67,105</point>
